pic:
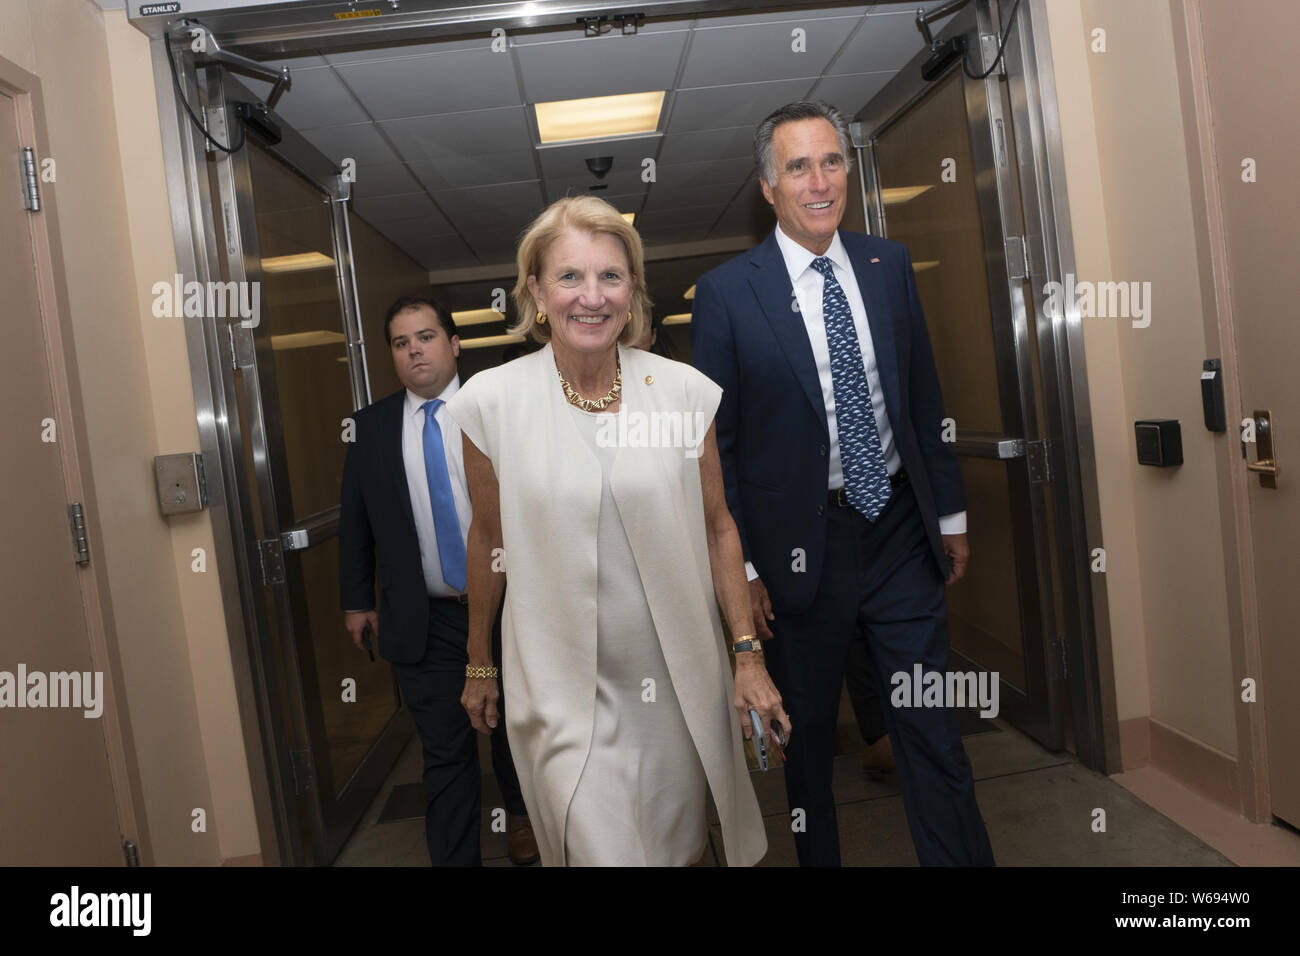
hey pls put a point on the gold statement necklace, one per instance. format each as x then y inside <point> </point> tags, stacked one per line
<point>594,404</point>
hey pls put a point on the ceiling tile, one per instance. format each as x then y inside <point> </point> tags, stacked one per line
<point>850,92</point>
<point>473,133</point>
<point>762,52</point>
<point>745,104</point>
<point>885,41</point>
<point>699,145</point>
<point>624,64</point>
<point>442,252</point>
<point>406,206</point>
<point>431,84</point>
<point>729,172</point>
<point>748,215</point>
<point>491,207</point>
<point>411,232</point>
<point>359,141</point>
<point>385,179</point>
<point>656,220</point>
<point>457,172</point>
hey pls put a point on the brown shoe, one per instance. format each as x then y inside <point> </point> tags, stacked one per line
<point>523,844</point>
<point>879,757</point>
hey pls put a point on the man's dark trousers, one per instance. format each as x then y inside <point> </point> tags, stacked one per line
<point>431,690</point>
<point>883,576</point>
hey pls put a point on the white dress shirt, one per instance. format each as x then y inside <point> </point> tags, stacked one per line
<point>418,482</point>
<point>807,283</point>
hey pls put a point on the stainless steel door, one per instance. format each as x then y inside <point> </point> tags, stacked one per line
<point>298,375</point>
<point>941,182</point>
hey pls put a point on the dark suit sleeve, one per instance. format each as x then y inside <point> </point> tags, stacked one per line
<point>926,402</point>
<point>356,538</point>
<point>713,352</point>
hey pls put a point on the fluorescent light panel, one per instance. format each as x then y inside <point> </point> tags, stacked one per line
<point>477,316</point>
<point>597,117</point>
<point>488,341</point>
<point>681,318</point>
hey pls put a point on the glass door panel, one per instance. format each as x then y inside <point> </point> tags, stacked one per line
<point>941,187</point>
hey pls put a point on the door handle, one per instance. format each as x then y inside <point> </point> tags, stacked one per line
<point>1265,464</point>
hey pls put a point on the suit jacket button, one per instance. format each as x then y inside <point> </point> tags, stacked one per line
<point>820,509</point>
<point>822,451</point>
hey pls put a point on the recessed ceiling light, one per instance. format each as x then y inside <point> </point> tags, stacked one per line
<point>302,262</point>
<point>596,117</point>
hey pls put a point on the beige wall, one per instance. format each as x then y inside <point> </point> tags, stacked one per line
<point>115,236</point>
<point>1131,206</point>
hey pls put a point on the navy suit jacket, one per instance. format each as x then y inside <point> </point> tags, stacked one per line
<point>772,432</point>
<point>377,530</point>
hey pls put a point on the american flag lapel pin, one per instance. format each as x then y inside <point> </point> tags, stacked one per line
<point>874,259</point>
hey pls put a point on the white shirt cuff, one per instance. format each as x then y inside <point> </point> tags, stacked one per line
<point>750,571</point>
<point>953,524</point>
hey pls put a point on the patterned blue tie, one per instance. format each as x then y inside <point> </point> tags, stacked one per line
<point>451,546</point>
<point>866,478</point>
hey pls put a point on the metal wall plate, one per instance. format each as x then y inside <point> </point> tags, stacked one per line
<point>181,485</point>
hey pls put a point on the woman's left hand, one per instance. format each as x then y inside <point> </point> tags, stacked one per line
<point>755,691</point>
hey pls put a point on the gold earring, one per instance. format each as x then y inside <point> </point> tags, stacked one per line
<point>541,318</point>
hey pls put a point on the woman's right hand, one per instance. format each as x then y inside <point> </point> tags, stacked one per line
<point>480,701</point>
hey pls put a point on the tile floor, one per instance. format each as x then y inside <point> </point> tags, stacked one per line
<point>1038,807</point>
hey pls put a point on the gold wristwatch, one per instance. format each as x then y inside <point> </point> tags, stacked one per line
<point>747,642</point>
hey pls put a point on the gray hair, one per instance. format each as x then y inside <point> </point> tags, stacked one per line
<point>801,110</point>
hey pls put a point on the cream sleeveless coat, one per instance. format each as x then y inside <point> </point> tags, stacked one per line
<point>550,491</point>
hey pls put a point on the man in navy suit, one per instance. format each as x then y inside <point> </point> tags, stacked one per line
<point>850,506</point>
<point>405,507</point>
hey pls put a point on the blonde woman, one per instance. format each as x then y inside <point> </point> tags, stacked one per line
<point>619,548</point>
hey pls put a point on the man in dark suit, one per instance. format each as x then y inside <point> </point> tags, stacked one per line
<point>850,506</point>
<point>405,507</point>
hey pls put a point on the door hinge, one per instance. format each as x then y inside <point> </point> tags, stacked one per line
<point>272,561</point>
<point>31,185</point>
<point>1038,455</point>
<point>1017,257</point>
<point>989,43</point>
<point>302,771</point>
<point>77,521</point>
<point>132,853</point>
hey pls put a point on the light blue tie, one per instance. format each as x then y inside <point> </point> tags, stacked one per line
<point>866,477</point>
<point>451,546</point>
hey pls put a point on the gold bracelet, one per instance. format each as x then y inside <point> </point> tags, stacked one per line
<point>480,671</point>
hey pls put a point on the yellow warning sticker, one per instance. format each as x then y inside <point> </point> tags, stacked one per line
<point>353,14</point>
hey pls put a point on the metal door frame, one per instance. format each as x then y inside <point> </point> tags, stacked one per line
<point>331,807</point>
<point>1076,620</point>
<point>272,29</point>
